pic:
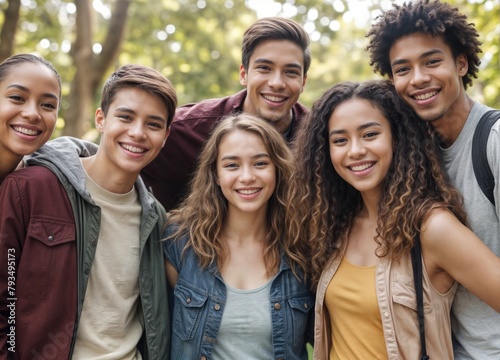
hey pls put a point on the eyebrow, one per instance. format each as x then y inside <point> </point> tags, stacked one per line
<point>267,61</point>
<point>130,111</point>
<point>360,127</point>
<point>25,89</point>
<point>256,156</point>
<point>424,55</point>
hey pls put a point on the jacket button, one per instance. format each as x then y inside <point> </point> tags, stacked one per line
<point>217,307</point>
<point>305,306</point>
<point>87,270</point>
<point>51,238</point>
<point>277,306</point>
<point>203,358</point>
<point>188,300</point>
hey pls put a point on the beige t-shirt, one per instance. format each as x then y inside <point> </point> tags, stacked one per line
<point>109,326</point>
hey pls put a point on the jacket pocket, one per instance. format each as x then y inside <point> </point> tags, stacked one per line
<point>188,309</point>
<point>403,293</point>
<point>50,248</point>
<point>51,232</point>
<point>301,306</point>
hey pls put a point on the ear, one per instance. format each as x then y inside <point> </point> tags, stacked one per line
<point>462,64</point>
<point>99,120</point>
<point>303,83</point>
<point>243,76</point>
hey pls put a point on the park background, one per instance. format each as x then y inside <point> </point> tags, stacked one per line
<point>197,44</point>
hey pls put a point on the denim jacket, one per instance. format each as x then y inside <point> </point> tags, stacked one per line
<point>199,300</point>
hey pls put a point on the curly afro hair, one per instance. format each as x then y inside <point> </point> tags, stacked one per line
<point>423,16</point>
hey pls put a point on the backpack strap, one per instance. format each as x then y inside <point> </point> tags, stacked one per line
<point>416,261</point>
<point>482,170</point>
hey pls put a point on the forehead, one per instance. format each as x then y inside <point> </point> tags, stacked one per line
<point>34,72</point>
<point>353,112</point>
<point>238,140</point>
<point>416,45</point>
<point>278,50</point>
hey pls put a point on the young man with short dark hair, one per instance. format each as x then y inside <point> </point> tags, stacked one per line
<point>431,53</point>
<point>275,61</point>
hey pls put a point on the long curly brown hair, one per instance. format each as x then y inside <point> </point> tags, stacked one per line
<point>201,216</point>
<point>324,206</point>
<point>435,18</point>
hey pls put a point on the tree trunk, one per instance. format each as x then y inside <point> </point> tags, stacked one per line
<point>9,27</point>
<point>90,67</point>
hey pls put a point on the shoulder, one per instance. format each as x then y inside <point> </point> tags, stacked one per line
<point>38,177</point>
<point>209,108</point>
<point>300,111</point>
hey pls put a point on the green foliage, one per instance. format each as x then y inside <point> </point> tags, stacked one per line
<point>196,43</point>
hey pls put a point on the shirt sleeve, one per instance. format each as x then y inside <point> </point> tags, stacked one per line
<point>12,234</point>
<point>172,248</point>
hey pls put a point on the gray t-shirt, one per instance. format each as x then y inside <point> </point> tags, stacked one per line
<point>475,325</point>
<point>246,328</point>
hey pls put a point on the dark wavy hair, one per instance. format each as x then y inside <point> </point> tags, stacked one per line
<point>323,205</point>
<point>435,18</point>
<point>202,215</point>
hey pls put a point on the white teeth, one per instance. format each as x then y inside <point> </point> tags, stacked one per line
<point>274,98</point>
<point>425,96</point>
<point>248,192</point>
<point>361,167</point>
<point>133,149</point>
<point>25,131</point>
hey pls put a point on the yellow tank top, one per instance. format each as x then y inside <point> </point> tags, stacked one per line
<point>354,314</point>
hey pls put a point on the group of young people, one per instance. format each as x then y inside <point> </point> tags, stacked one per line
<point>284,226</point>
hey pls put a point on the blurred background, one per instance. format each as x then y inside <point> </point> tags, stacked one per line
<point>197,44</point>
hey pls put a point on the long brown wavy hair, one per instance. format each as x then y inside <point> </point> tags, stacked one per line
<point>324,205</point>
<point>202,214</point>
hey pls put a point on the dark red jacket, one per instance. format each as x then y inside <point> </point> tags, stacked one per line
<point>169,174</point>
<point>52,275</point>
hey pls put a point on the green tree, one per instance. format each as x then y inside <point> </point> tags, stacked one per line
<point>196,43</point>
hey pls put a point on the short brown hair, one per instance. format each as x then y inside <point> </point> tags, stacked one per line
<point>274,28</point>
<point>144,78</point>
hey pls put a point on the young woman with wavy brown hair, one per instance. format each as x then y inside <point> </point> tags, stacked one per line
<point>238,281</point>
<point>369,182</point>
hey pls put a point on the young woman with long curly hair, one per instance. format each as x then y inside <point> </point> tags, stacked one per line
<point>369,182</point>
<point>238,281</point>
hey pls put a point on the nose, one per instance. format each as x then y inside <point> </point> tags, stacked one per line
<point>136,130</point>
<point>357,149</point>
<point>30,112</point>
<point>247,174</point>
<point>419,76</point>
<point>276,80</point>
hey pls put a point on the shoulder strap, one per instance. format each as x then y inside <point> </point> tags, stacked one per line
<point>416,261</point>
<point>482,169</point>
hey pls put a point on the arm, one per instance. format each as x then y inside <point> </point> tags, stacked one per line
<point>172,274</point>
<point>12,231</point>
<point>450,247</point>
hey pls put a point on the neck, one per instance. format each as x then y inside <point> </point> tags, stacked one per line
<point>245,228</point>
<point>8,165</point>
<point>449,126</point>
<point>112,181</point>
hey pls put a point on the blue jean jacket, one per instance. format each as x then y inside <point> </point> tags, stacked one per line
<point>200,297</point>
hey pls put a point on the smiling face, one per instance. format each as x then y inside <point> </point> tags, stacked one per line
<point>245,173</point>
<point>274,80</point>
<point>29,102</point>
<point>428,77</point>
<point>133,132</point>
<point>360,145</point>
